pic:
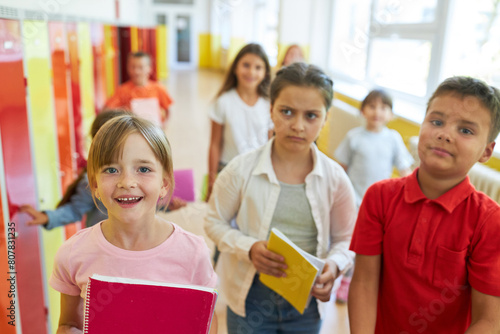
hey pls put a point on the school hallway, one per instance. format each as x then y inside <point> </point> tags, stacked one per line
<point>188,131</point>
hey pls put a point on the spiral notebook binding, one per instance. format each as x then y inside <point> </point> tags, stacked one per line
<point>87,310</point>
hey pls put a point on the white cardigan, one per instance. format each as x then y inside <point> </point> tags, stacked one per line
<point>247,189</point>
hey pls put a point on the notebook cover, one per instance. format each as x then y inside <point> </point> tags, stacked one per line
<point>301,273</point>
<point>144,307</point>
<point>148,108</point>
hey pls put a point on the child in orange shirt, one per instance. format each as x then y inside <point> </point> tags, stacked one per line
<point>139,88</point>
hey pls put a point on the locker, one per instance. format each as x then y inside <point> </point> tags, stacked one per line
<point>86,80</point>
<point>6,296</point>
<point>111,51</point>
<point>44,132</point>
<point>124,36</point>
<point>76,103</point>
<point>97,39</point>
<point>19,178</point>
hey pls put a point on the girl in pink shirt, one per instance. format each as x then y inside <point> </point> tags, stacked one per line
<point>129,171</point>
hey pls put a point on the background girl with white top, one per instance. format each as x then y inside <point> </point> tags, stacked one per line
<point>240,115</point>
<point>291,185</point>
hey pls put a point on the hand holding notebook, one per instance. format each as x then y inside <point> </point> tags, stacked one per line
<point>302,271</point>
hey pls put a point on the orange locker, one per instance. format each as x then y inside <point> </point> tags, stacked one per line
<point>19,180</point>
<point>97,39</point>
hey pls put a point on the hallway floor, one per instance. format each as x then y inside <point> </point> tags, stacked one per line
<point>188,131</point>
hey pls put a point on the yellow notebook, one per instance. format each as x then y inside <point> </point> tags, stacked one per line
<point>303,269</point>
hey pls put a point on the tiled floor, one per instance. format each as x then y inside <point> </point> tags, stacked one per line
<point>189,132</point>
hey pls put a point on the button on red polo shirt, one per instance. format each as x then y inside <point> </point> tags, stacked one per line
<point>433,251</point>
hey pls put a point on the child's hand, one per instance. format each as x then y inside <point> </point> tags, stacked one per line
<point>39,218</point>
<point>323,287</point>
<point>265,261</point>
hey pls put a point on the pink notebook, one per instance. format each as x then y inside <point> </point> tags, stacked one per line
<point>121,305</point>
<point>148,108</point>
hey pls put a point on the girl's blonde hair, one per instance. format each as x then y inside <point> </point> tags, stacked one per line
<point>231,80</point>
<point>108,143</point>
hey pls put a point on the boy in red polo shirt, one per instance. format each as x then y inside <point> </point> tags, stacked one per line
<point>140,95</point>
<point>428,245</point>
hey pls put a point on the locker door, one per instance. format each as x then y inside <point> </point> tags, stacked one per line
<point>43,125</point>
<point>161,54</point>
<point>86,80</point>
<point>152,49</point>
<point>97,38</point>
<point>76,103</point>
<point>7,293</point>
<point>147,43</point>
<point>124,36</point>
<point>111,53</point>
<point>19,177</point>
<point>63,110</point>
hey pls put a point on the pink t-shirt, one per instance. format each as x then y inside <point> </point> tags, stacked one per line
<point>183,258</point>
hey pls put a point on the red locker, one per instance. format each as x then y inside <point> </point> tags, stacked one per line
<point>76,103</point>
<point>125,42</point>
<point>7,287</point>
<point>63,109</point>
<point>19,178</point>
<point>97,38</point>
<point>147,43</point>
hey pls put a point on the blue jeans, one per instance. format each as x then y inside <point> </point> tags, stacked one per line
<point>268,313</point>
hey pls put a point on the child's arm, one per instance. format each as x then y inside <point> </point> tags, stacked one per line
<point>70,320</point>
<point>39,217</point>
<point>214,155</point>
<point>79,204</point>
<point>214,326</point>
<point>363,294</point>
<point>485,311</point>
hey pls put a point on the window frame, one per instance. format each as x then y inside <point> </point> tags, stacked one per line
<point>434,32</point>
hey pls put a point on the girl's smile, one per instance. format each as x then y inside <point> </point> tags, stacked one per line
<point>128,201</point>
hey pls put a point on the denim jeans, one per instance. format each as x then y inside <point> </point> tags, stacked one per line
<point>268,313</point>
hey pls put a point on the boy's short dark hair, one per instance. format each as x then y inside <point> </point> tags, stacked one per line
<point>140,54</point>
<point>377,94</point>
<point>467,86</point>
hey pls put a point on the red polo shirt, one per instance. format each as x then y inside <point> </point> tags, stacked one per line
<point>433,251</point>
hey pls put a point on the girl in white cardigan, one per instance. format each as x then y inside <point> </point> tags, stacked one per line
<point>288,184</point>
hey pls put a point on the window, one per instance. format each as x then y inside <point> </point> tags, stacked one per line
<point>387,43</point>
<point>266,27</point>
<point>410,46</point>
<point>473,41</point>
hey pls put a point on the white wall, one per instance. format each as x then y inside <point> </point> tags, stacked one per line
<point>319,32</point>
<point>242,20</point>
<point>95,10</point>
<point>295,21</point>
<point>307,23</point>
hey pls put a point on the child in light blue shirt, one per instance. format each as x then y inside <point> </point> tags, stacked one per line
<point>369,153</point>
